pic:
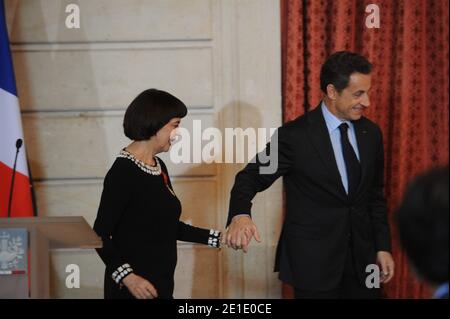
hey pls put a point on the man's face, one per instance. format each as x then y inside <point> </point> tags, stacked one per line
<point>351,101</point>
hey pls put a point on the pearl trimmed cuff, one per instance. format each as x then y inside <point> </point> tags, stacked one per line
<point>121,272</point>
<point>214,238</point>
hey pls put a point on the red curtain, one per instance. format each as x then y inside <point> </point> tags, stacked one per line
<point>409,98</point>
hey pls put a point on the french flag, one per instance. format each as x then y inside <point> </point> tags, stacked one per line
<point>10,131</point>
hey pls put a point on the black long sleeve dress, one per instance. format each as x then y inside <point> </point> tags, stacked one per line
<point>138,221</point>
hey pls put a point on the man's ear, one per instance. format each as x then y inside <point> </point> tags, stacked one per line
<point>331,92</point>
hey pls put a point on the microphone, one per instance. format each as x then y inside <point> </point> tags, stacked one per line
<point>19,143</point>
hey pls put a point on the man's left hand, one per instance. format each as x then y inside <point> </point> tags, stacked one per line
<point>386,263</point>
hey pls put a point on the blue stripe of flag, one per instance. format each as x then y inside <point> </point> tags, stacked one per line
<point>7,79</point>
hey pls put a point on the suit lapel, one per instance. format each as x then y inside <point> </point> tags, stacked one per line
<point>361,133</point>
<point>320,138</point>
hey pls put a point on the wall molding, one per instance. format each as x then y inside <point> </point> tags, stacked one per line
<point>113,46</point>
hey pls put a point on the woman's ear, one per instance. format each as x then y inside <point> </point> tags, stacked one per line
<point>175,135</point>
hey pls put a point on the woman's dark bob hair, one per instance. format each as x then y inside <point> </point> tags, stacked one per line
<point>149,112</point>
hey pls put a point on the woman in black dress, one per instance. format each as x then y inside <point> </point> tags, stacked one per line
<point>138,217</point>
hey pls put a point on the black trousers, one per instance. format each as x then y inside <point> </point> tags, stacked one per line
<point>350,287</point>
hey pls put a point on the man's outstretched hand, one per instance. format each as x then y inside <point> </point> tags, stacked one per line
<point>240,232</point>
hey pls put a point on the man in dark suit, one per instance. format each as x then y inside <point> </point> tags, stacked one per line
<point>332,162</point>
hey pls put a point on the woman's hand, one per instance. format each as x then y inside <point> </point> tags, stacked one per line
<point>139,287</point>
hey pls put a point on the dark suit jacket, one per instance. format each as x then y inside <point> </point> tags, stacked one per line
<point>320,218</point>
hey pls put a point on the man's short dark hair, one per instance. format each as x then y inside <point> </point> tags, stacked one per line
<point>149,112</point>
<point>339,66</point>
<point>423,224</point>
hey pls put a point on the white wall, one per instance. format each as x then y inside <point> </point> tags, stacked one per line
<point>221,57</point>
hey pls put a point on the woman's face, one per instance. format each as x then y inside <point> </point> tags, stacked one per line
<point>166,135</point>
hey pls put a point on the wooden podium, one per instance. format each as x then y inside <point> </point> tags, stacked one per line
<point>44,233</point>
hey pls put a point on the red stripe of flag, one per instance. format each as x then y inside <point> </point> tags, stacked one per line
<point>21,201</point>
